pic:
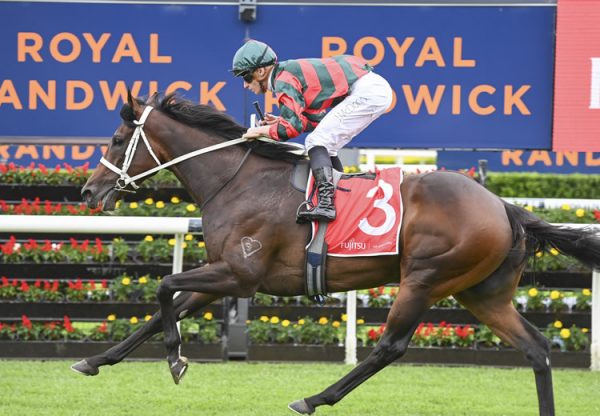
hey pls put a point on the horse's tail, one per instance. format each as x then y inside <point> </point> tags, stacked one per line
<point>580,243</point>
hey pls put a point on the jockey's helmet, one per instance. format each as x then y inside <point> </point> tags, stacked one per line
<point>252,55</point>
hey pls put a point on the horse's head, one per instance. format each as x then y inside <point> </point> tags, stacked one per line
<point>129,153</point>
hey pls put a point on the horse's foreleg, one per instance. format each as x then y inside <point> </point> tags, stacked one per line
<point>185,304</point>
<point>407,309</point>
<point>214,278</point>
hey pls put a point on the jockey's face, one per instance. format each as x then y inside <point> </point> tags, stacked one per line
<point>258,84</point>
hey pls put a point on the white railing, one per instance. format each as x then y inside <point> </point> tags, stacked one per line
<point>399,159</point>
<point>351,356</point>
<point>106,225</point>
<point>555,202</point>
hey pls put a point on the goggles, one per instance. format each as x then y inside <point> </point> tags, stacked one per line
<point>248,76</point>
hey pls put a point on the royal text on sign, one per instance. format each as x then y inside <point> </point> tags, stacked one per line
<point>67,47</point>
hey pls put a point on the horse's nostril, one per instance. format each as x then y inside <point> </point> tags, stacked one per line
<point>86,194</point>
<point>88,198</point>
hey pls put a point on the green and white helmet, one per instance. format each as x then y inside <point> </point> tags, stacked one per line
<point>252,55</point>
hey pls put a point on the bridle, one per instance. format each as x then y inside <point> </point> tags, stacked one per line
<point>124,179</point>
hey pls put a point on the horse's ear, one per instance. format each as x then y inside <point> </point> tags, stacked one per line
<point>151,98</point>
<point>133,103</point>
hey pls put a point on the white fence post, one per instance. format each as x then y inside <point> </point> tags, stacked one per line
<point>178,264</point>
<point>595,347</point>
<point>178,268</point>
<point>351,328</point>
<point>178,254</point>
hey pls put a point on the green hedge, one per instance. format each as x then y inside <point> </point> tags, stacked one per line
<point>536,185</point>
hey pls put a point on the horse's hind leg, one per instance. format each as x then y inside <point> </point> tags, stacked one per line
<point>410,304</point>
<point>494,308</point>
<point>185,304</point>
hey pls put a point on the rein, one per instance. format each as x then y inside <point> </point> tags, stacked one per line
<point>124,179</point>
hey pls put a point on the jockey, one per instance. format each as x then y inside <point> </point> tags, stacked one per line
<point>305,90</point>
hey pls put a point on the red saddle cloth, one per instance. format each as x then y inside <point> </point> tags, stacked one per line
<point>369,215</point>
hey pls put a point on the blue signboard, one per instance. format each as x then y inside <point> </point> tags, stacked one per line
<point>51,155</point>
<point>463,77</point>
<point>541,161</point>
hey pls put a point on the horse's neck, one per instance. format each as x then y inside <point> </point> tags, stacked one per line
<point>204,175</point>
<point>201,175</point>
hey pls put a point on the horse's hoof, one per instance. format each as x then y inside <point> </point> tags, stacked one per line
<point>178,369</point>
<point>300,407</point>
<point>83,367</point>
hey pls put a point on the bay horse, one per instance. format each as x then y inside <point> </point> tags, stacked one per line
<point>457,238</point>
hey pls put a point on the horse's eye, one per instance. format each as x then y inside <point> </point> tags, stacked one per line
<point>117,140</point>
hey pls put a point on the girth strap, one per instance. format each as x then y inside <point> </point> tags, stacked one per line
<point>316,258</point>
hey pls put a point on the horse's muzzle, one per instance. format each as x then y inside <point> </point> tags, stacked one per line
<point>93,198</point>
<point>88,197</point>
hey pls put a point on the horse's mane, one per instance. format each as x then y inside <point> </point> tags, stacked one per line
<point>205,117</point>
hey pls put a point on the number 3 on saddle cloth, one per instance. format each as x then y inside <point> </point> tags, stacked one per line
<point>369,215</point>
<point>368,221</point>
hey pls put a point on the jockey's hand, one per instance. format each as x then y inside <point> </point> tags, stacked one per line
<point>269,119</point>
<point>256,132</point>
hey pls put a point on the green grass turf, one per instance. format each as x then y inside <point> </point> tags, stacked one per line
<point>237,388</point>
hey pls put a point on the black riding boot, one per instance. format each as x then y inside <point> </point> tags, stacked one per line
<point>325,210</point>
<point>323,173</point>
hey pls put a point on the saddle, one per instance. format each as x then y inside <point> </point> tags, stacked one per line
<point>367,225</point>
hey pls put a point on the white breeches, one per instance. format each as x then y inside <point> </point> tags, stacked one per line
<point>369,97</point>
